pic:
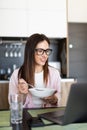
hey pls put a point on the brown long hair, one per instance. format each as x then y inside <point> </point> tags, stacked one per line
<point>27,70</point>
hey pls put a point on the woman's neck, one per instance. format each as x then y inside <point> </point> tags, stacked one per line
<point>38,69</point>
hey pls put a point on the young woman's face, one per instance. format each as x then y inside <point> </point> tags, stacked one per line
<point>41,51</point>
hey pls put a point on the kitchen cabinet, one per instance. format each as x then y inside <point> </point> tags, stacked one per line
<point>48,17</point>
<point>12,23</point>
<point>21,18</point>
<point>4,95</point>
<point>13,18</point>
<point>77,11</point>
<point>12,4</point>
<point>78,51</point>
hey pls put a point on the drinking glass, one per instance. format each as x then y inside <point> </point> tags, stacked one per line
<point>16,108</point>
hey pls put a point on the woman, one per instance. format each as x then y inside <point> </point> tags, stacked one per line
<point>36,71</point>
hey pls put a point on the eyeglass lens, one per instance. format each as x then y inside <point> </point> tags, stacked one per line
<point>41,51</point>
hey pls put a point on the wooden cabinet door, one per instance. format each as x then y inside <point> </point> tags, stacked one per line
<point>65,89</point>
<point>4,96</point>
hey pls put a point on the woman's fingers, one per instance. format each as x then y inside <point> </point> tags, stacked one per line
<point>23,87</point>
<point>51,99</point>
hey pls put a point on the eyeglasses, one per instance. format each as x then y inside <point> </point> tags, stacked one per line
<point>40,51</point>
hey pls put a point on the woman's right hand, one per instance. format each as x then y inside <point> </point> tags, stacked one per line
<point>22,86</point>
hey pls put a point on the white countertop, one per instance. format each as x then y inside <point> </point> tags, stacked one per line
<point>68,80</point>
<point>62,80</point>
<point>4,81</point>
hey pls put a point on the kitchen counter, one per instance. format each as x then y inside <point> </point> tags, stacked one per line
<point>62,80</point>
<point>68,80</point>
<point>4,81</point>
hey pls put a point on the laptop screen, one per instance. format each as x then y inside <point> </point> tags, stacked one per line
<point>76,108</point>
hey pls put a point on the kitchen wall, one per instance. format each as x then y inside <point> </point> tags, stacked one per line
<point>78,51</point>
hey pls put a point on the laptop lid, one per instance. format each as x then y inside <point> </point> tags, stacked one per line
<point>76,108</point>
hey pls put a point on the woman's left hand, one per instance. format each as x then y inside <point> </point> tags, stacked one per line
<point>51,99</point>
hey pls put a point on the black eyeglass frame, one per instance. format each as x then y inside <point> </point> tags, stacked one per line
<point>40,51</point>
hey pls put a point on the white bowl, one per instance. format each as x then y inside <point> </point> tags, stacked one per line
<point>42,92</point>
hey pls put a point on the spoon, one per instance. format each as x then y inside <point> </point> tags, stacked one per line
<point>30,86</point>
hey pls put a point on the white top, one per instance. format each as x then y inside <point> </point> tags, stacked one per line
<point>39,80</point>
<point>38,83</point>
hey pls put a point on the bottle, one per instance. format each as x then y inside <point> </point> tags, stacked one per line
<point>14,67</point>
<point>9,72</point>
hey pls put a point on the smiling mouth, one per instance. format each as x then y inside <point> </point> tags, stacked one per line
<point>43,60</point>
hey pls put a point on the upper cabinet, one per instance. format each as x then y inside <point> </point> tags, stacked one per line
<point>77,11</point>
<point>13,18</point>
<point>25,17</point>
<point>48,17</point>
<point>12,4</point>
<point>12,23</point>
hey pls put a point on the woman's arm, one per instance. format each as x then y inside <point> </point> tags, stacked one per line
<point>54,82</point>
<point>16,86</point>
<point>23,88</point>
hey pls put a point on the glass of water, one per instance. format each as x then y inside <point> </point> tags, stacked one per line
<point>16,108</point>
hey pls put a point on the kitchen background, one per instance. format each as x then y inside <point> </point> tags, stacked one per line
<point>12,55</point>
<point>65,19</point>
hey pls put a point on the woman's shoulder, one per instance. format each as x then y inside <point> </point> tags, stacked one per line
<point>15,72</point>
<point>14,76</point>
<point>54,73</point>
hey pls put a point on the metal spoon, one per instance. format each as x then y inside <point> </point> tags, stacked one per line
<point>30,86</point>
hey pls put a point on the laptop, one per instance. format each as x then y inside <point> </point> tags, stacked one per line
<point>75,110</point>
